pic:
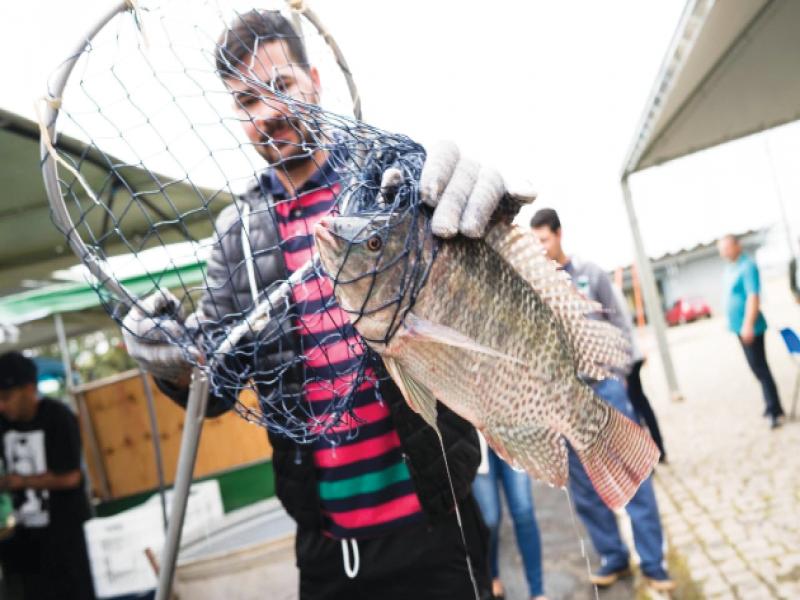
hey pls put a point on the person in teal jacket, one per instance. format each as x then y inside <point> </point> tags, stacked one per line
<point>742,287</point>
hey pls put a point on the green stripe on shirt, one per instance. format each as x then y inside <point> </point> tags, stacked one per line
<point>363,484</point>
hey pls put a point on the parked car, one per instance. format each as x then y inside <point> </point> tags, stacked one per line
<point>686,310</point>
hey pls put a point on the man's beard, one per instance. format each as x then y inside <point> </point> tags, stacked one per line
<point>287,153</point>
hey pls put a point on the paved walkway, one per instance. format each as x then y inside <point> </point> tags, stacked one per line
<point>730,498</point>
<point>566,574</point>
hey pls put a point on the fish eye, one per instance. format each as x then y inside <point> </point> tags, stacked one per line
<point>374,243</point>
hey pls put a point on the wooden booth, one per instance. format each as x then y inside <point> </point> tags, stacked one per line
<point>118,438</point>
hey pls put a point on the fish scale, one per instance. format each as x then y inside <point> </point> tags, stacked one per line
<point>540,383</point>
<point>499,335</point>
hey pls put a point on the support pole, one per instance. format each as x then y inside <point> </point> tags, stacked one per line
<point>192,427</point>
<point>63,349</point>
<point>82,412</point>
<point>151,411</point>
<point>652,303</point>
<point>787,229</point>
<point>637,297</point>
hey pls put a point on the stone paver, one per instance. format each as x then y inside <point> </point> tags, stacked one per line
<point>730,496</point>
<point>567,555</point>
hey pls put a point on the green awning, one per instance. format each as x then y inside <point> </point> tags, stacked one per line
<point>43,302</point>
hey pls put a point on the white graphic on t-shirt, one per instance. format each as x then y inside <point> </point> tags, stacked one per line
<point>25,455</point>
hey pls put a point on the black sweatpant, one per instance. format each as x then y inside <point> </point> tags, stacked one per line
<point>642,405</point>
<point>48,563</point>
<point>757,359</point>
<point>423,562</point>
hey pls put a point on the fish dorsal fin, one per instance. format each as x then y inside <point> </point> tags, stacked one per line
<point>596,345</point>
<point>417,396</point>
<point>427,331</point>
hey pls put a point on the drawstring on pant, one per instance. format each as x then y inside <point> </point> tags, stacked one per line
<point>351,572</point>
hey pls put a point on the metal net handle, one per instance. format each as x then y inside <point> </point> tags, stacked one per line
<point>300,7</point>
<point>49,158</point>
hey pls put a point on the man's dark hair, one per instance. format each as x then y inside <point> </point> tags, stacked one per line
<point>248,31</point>
<point>546,217</point>
<point>16,370</point>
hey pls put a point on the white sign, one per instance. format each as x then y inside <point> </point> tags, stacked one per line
<point>117,544</point>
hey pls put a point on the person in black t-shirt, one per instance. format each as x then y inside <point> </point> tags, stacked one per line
<point>41,450</point>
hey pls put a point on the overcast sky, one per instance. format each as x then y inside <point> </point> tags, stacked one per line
<point>546,91</point>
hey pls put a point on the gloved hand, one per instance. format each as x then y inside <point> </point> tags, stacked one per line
<point>158,337</point>
<point>463,194</point>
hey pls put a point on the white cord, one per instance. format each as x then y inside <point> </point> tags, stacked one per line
<point>248,252</point>
<point>351,572</point>
<point>55,103</point>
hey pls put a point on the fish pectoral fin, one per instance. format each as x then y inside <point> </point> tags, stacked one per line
<point>537,449</point>
<point>418,397</point>
<point>442,334</point>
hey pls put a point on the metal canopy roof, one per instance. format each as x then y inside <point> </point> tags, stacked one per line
<point>732,69</point>
<point>32,248</point>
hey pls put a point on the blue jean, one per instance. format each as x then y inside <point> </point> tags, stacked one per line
<point>517,489</point>
<point>600,521</point>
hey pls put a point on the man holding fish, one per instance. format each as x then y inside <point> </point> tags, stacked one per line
<point>376,514</point>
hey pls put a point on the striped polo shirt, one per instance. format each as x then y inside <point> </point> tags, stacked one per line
<point>364,484</point>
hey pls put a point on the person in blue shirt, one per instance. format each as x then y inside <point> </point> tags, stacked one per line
<point>742,304</point>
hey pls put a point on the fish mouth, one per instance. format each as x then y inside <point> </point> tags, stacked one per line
<point>324,234</point>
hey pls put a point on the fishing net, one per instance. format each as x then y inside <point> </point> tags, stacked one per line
<point>173,129</point>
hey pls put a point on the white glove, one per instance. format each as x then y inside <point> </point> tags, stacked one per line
<point>158,339</point>
<point>463,194</point>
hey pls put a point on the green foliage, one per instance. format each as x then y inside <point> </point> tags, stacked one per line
<point>112,361</point>
<point>93,356</point>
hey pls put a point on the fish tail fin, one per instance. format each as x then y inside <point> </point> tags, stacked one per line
<point>622,458</point>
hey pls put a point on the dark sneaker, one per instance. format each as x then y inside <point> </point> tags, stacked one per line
<point>776,421</point>
<point>607,577</point>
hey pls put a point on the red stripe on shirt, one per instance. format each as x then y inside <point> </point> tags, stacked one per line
<point>345,455</point>
<point>364,415</point>
<point>295,260</point>
<point>313,289</point>
<point>327,354</point>
<point>375,515</point>
<point>329,319</point>
<point>306,200</point>
<point>317,391</point>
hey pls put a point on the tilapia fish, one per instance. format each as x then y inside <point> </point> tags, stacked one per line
<point>495,331</point>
